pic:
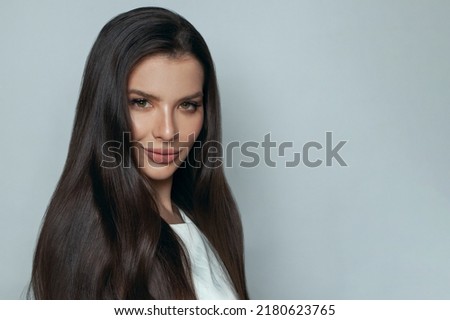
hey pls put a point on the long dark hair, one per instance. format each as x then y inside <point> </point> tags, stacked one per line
<point>102,235</point>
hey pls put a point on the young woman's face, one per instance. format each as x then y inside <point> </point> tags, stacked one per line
<point>165,99</point>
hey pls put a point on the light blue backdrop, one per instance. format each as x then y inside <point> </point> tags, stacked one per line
<point>374,73</point>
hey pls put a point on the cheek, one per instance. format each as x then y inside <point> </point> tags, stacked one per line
<point>188,134</point>
<point>139,126</point>
<point>191,129</point>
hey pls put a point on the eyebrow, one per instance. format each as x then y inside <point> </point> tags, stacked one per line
<point>155,98</point>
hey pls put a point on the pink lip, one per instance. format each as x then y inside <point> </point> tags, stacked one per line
<point>163,156</point>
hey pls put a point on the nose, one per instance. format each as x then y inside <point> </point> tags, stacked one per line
<point>165,127</point>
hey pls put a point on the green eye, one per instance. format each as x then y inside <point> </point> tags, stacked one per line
<point>140,103</point>
<point>190,106</point>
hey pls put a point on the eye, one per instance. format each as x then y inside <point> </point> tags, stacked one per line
<point>189,105</point>
<point>140,103</point>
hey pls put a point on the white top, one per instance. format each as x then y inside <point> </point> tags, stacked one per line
<point>211,280</point>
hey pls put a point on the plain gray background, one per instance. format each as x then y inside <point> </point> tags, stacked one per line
<point>375,73</point>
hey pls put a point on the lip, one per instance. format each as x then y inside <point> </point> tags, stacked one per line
<point>163,156</point>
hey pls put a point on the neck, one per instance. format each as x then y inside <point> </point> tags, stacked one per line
<point>163,190</point>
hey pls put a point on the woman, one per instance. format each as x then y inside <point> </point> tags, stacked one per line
<point>143,209</point>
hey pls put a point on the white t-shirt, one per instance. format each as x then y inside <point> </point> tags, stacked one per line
<point>211,280</point>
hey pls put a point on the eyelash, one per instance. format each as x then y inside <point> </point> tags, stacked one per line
<point>144,104</point>
<point>136,103</point>
<point>190,104</point>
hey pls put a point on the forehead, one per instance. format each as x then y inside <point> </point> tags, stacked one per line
<point>167,76</point>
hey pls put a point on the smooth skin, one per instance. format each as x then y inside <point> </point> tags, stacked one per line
<point>165,99</point>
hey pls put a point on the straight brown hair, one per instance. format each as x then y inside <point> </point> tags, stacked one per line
<point>102,236</point>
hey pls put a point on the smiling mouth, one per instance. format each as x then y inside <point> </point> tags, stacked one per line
<point>162,156</point>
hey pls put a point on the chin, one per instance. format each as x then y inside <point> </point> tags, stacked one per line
<point>159,173</point>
